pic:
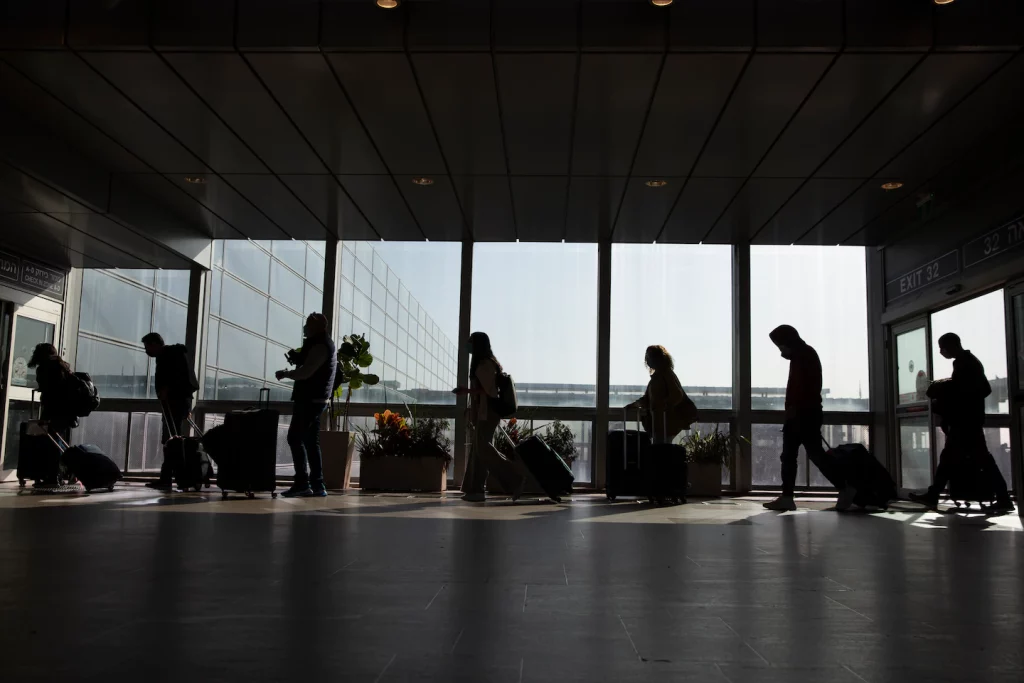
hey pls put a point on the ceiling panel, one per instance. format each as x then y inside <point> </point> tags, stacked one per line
<point>36,23</point>
<point>703,200</point>
<point>515,25</point>
<point>540,207</point>
<point>175,23</point>
<point>614,93</point>
<point>435,206</point>
<point>645,209</point>
<point>325,197</point>
<point>888,24</point>
<point>992,24</point>
<point>707,23</point>
<point>814,200</point>
<point>170,193</point>
<point>383,205</point>
<point>623,25</point>
<point>460,94</point>
<point>229,87</point>
<point>361,25</point>
<point>83,91</point>
<point>221,198</point>
<point>9,204</point>
<point>113,233</point>
<point>39,196</point>
<point>755,204</point>
<point>449,25</point>
<point>770,91</point>
<point>851,88</point>
<point>592,204</point>
<point>106,24</point>
<point>536,93</point>
<point>275,24</point>
<point>48,241</point>
<point>385,95</point>
<point>307,89</point>
<point>488,206</point>
<point>280,205</point>
<point>145,79</point>
<point>935,86</point>
<point>861,207</point>
<point>692,90</point>
<point>785,23</point>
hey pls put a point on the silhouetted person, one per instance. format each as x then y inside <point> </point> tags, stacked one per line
<point>483,386</point>
<point>175,382</point>
<point>803,418</point>
<point>963,421</point>
<point>56,414</point>
<point>666,408</point>
<point>316,364</point>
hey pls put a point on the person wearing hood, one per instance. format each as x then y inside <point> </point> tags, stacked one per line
<point>803,418</point>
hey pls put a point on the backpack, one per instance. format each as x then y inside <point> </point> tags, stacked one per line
<point>506,403</point>
<point>82,395</point>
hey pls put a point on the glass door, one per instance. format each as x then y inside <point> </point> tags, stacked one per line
<point>1015,370</point>
<point>912,372</point>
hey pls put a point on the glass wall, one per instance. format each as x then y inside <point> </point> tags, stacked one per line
<point>260,294</point>
<point>118,307</point>
<point>822,292</point>
<point>404,296</point>
<point>679,297</point>
<point>538,303</point>
<point>766,449</point>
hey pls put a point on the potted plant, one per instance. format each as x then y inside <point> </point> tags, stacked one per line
<point>397,455</point>
<point>338,446</point>
<point>557,436</point>
<point>706,454</point>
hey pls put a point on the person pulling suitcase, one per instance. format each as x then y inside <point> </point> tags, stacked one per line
<point>175,382</point>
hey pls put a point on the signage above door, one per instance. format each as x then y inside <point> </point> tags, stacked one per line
<point>928,274</point>
<point>995,242</point>
<point>31,276</point>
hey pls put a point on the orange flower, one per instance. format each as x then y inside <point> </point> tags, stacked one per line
<point>512,422</point>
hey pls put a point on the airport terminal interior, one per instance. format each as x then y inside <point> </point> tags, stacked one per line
<point>580,180</point>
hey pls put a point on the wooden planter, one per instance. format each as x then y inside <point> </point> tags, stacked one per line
<point>393,473</point>
<point>338,449</point>
<point>705,479</point>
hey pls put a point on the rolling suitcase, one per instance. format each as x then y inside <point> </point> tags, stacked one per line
<point>550,471</point>
<point>667,473</point>
<point>38,453</point>
<point>865,473</point>
<point>92,467</point>
<point>967,481</point>
<point>186,457</point>
<point>627,454</point>
<point>248,463</point>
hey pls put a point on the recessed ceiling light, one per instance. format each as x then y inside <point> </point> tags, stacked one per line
<point>422,181</point>
<point>387,4</point>
<point>661,3</point>
<point>656,183</point>
<point>892,185</point>
<point>943,2</point>
<point>195,180</point>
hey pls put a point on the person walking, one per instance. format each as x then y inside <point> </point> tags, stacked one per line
<point>667,410</point>
<point>485,458</point>
<point>316,364</point>
<point>56,415</point>
<point>963,421</point>
<point>802,426</point>
<point>175,382</point>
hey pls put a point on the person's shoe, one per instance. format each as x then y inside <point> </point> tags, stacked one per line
<point>929,499</point>
<point>781,504</point>
<point>319,493</point>
<point>474,497</point>
<point>518,492</point>
<point>159,485</point>
<point>1001,507</point>
<point>298,492</point>
<point>845,499</point>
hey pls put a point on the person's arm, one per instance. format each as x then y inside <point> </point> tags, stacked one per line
<point>487,379</point>
<point>317,356</point>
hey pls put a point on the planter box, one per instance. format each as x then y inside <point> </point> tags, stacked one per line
<point>705,480</point>
<point>338,449</point>
<point>392,473</point>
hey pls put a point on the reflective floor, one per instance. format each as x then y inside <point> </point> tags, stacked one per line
<point>132,585</point>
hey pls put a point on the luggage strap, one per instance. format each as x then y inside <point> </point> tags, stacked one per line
<point>828,446</point>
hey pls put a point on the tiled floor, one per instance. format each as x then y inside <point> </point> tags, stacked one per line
<point>132,585</point>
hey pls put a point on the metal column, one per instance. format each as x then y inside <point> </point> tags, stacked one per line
<point>462,402</point>
<point>741,385</point>
<point>878,361</point>
<point>195,329</point>
<point>604,328</point>
<point>329,305</point>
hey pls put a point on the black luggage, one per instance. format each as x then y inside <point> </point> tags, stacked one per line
<point>246,450</point>
<point>185,457</point>
<point>627,455</point>
<point>38,456</point>
<point>865,473</point>
<point>550,471</point>
<point>967,480</point>
<point>666,473</point>
<point>92,467</point>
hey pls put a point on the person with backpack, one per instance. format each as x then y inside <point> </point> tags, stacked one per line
<point>666,409</point>
<point>316,367</point>
<point>175,383</point>
<point>484,371</point>
<point>53,375</point>
<point>960,401</point>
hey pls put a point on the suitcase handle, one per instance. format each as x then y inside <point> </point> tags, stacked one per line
<point>172,429</point>
<point>260,403</point>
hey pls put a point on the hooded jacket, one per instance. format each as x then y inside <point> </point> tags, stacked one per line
<point>803,389</point>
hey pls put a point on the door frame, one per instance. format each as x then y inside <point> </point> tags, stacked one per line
<point>920,321</point>
<point>1013,391</point>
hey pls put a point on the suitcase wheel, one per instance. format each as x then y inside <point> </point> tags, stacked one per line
<point>199,487</point>
<point>21,483</point>
<point>273,494</point>
<point>224,494</point>
<point>250,494</point>
<point>111,488</point>
<point>967,505</point>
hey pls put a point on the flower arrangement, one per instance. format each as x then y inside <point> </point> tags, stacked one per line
<point>392,436</point>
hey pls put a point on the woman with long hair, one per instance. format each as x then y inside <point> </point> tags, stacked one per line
<point>666,408</point>
<point>52,374</point>
<point>485,458</point>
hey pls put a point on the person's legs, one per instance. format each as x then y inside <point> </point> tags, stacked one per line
<point>790,451</point>
<point>297,443</point>
<point>311,439</point>
<point>476,472</point>
<point>176,411</point>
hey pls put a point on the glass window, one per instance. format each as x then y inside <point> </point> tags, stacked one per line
<point>114,308</point>
<point>679,297</point>
<point>346,294</point>
<point>981,326</point>
<point>284,326</point>
<point>275,362</point>
<point>173,283</point>
<point>211,343</point>
<point>380,269</point>
<point>822,292</point>
<point>28,332</point>
<point>377,319</point>
<point>766,449</point>
<point>292,253</point>
<point>218,253</point>
<point>141,275</point>
<point>364,253</point>
<point>561,280</point>
<point>361,307</point>
<point>915,453</point>
<point>215,279</point>
<point>169,320</point>
<point>314,269</point>
<point>286,286</point>
<point>233,388</point>
<point>912,361</point>
<point>243,306</point>
<point>248,262</point>
<point>348,262</point>
<point>241,352</point>
<point>314,300</point>
<point>319,247</point>
<point>117,371</point>
<point>364,281</point>
<point>392,307</point>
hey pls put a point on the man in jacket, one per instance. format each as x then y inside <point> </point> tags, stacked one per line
<point>963,420</point>
<point>803,419</point>
<point>316,364</point>
<point>176,382</point>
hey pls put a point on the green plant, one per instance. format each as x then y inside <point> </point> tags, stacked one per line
<point>353,356</point>
<point>392,435</point>
<point>561,440</point>
<point>713,447</point>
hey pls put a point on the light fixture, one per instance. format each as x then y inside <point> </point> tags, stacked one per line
<point>195,180</point>
<point>656,183</point>
<point>892,185</point>
<point>661,3</point>
<point>422,181</point>
<point>387,4</point>
<point>943,2</point>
